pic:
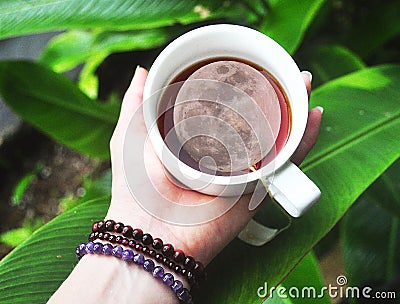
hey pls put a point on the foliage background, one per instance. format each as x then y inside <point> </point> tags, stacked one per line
<point>352,49</point>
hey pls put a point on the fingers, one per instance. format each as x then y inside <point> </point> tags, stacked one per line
<point>307,76</point>
<point>310,135</point>
<point>131,102</point>
<point>133,96</point>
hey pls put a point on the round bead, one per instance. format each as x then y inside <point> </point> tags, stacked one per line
<point>179,256</point>
<point>198,268</point>
<point>152,253</point>
<point>189,262</point>
<point>98,248</point>
<point>177,269</point>
<point>89,247</point>
<point>111,238</point>
<point>119,239</point>
<point>138,247</point>
<point>118,227</point>
<point>117,251</point>
<point>168,250</point>
<point>145,249</point>
<point>132,243</point>
<point>125,242</point>
<point>137,234</point>
<point>177,286</point>
<point>171,265</point>
<point>109,225</point>
<point>168,279</point>
<point>184,271</point>
<point>183,295</point>
<point>101,226</point>
<point>138,259</point>
<point>158,272</point>
<point>101,236</point>
<point>190,277</point>
<point>94,227</point>
<point>157,244</point>
<point>91,237</point>
<point>148,265</point>
<point>80,250</point>
<point>106,236</point>
<point>147,239</point>
<point>78,253</point>
<point>108,249</point>
<point>159,257</point>
<point>165,261</point>
<point>127,231</point>
<point>127,255</point>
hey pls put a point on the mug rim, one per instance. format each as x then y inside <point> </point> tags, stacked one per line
<point>294,84</point>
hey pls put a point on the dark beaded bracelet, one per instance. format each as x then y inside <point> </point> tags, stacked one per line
<point>168,251</point>
<point>148,265</point>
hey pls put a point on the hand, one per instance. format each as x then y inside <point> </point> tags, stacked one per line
<point>191,239</point>
<point>99,279</point>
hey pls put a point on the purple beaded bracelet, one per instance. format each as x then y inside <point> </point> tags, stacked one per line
<point>128,255</point>
<point>192,278</point>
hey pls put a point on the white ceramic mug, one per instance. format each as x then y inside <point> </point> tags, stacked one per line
<point>289,186</point>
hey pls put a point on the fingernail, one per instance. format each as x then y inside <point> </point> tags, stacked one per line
<point>137,69</point>
<point>309,75</point>
<point>321,109</point>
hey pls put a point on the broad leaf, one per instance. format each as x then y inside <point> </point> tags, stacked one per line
<point>34,270</point>
<point>370,235</point>
<point>22,17</point>
<point>69,49</point>
<point>53,104</point>
<point>358,141</point>
<point>287,21</point>
<point>350,155</point>
<point>328,62</point>
<point>303,284</point>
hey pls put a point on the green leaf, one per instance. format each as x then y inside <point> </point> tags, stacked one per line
<point>357,143</point>
<point>33,271</point>
<point>328,62</point>
<point>370,237</point>
<point>15,237</point>
<point>304,283</point>
<point>53,104</point>
<point>287,21</point>
<point>349,156</point>
<point>22,17</point>
<point>69,49</point>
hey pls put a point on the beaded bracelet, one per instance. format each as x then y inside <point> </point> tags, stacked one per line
<point>159,257</point>
<point>129,256</point>
<point>146,239</point>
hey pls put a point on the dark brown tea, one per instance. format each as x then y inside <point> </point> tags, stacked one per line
<point>165,119</point>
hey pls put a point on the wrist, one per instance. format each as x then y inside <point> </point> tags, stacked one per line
<point>101,279</point>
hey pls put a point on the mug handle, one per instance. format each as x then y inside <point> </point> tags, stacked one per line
<point>293,190</point>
